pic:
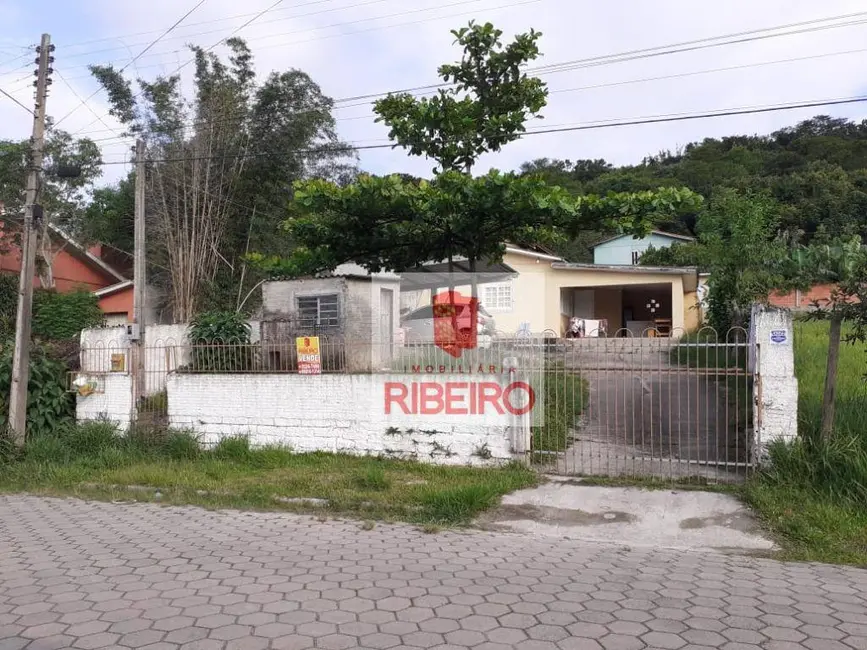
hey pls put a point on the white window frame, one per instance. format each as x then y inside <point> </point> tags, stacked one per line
<point>497,305</point>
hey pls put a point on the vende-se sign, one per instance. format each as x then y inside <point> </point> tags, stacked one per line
<point>457,399</point>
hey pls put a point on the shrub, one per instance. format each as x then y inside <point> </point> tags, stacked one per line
<point>58,316</point>
<point>221,342</point>
<point>49,406</point>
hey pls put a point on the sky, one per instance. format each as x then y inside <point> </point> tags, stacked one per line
<point>358,47</point>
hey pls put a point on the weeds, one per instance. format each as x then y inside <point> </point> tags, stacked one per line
<point>94,460</point>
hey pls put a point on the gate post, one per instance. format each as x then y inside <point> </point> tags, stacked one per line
<point>775,387</point>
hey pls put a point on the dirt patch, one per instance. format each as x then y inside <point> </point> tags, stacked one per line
<point>734,521</point>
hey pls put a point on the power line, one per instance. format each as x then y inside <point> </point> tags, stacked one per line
<point>322,27</point>
<point>84,102</point>
<point>194,123</point>
<point>652,119</point>
<point>265,22</point>
<point>201,22</point>
<point>16,101</point>
<point>134,59</point>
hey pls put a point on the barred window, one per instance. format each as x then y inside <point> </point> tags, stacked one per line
<point>318,311</point>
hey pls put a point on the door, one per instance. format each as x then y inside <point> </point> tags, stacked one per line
<point>386,324</point>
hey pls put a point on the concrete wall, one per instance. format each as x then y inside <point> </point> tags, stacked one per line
<point>111,401</point>
<point>619,251</point>
<point>772,360</point>
<point>337,413</point>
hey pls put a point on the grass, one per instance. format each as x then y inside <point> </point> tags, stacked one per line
<point>91,461</point>
<point>813,495</point>
<point>564,396</point>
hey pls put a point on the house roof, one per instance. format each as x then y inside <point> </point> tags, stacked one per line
<point>661,233</point>
<point>114,288</point>
<point>688,273</point>
<point>86,255</point>
<point>515,250</point>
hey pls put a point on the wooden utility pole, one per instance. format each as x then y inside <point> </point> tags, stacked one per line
<point>139,272</point>
<point>32,215</point>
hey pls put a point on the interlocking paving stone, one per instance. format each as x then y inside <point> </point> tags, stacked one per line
<point>90,576</point>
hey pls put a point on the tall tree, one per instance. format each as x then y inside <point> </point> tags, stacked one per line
<point>222,162</point>
<point>398,224</point>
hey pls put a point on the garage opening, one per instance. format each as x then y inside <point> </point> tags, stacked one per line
<point>635,310</point>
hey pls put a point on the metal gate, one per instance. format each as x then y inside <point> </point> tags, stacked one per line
<point>678,408</point>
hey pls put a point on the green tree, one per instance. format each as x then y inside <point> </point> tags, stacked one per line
<point>222,165</point>
<point>397,224</point>
<point>843,264</point>
<point>486,106</point>
<point>739,245</point>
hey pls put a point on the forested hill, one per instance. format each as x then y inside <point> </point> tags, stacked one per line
<point>816,172</point>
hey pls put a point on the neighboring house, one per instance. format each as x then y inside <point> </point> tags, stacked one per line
<point>538,291</point>
<point>76,267</point>
<point>626,249</point>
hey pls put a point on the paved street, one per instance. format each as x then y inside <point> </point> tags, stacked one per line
<point>100,575</point>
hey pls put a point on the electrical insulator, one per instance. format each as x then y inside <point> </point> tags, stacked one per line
<point>36,72</point>
<point>51,47</point>
<point>51,59</point>
<point>39,49</point>
<point>50,70</point>
<point>48,82</point>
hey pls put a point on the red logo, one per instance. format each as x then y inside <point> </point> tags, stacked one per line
<point>458,398</point>
<point>455,322</point>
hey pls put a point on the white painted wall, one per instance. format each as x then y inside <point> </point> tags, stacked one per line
<point>772,359</point>
<point>112,400</point>
<point>337,413</point>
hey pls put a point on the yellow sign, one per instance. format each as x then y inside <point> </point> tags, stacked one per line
<point>309,359</point>
<point>118,362</point>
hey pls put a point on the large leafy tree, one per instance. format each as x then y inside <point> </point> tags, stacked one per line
<point>64,199</point>
<point>222,164</point>
<point>398,223</point>
<point>738,243</point>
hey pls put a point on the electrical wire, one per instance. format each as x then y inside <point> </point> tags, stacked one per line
<point>5,94</point>
<point>84,102</point>
<point>605,124</point>
<point>134,59</point>
<point>194,124</point>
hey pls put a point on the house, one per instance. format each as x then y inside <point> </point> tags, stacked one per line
<point>539,292</point>
<point>353,311</point>
<point>626,249</point>
<point>75,267</point>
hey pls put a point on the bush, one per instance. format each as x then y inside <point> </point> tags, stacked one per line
<point>49,406</point>
<point>58,316</point>
<point>221,342</point>
<point>90,438</point>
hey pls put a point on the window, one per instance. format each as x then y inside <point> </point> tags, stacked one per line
<point>636,255</point>
<point>318,311</point>
<point>497,297</point>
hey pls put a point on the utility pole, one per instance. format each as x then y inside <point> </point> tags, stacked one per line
<point>33,214</point>
<point>139,272</point>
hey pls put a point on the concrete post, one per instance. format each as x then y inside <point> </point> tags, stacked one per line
<point>775,388</point>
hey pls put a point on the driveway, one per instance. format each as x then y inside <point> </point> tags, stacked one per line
<point>101,575</point>
<point>647,415</point>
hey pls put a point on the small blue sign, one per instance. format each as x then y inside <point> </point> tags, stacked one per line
<point>779,337</point>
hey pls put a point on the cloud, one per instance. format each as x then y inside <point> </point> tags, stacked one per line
<point>355,47</point>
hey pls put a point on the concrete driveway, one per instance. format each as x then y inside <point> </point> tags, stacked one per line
<point>647,415</point>
<point>87,575</point>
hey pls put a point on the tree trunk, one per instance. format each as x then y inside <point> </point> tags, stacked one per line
<point>830,395</point>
